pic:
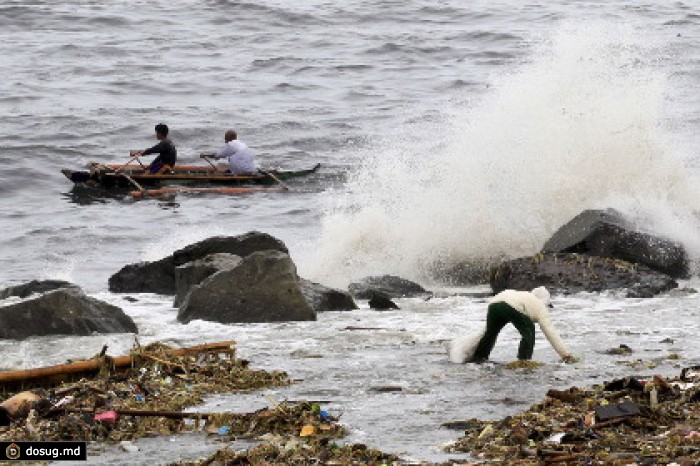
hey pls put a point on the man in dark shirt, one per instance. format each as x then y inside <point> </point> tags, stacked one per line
<point>167,154</point>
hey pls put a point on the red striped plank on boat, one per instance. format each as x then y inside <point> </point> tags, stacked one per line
<point>182,189</point>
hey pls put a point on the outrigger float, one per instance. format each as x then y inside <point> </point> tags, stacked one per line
<point>183,178</point>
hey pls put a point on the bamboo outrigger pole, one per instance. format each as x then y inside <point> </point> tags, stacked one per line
<point>61,371</point>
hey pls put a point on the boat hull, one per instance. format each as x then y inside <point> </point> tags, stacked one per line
<point>112,178</point>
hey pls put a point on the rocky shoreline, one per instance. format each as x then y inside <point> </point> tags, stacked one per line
<point>251,278</point>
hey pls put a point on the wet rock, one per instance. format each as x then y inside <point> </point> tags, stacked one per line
<point>573,273</point>
<point>35,286</point>
<point>381,301</point>
<point>681,292</point>
<point>394,287</point>
<point>461,272</point>
<point>159,276</point>
<point>193,273</point>
<point>241,245</point>
<point>322,298</point>
<point>145,277</point>
<point>62,312</point>
<point>606,233</point>
<point>264,287</point>
<point>622,350</point>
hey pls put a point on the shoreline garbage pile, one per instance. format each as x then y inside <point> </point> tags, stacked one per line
<point>112,400</point>
<point>124,398</point>
<point>625,421</point>
<point>290,433</point>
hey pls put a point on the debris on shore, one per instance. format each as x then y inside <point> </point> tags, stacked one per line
<point>290,451</point>
<point>144,394</point>
<point>143,397</point>
<point>625,421</point>
<point>290,433</point>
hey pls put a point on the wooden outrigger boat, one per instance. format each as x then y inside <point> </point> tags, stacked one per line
<point>123,177</point>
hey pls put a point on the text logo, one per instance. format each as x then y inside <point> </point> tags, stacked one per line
<point>12,451</point>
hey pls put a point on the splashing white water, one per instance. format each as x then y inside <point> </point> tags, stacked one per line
<point>579,126</point>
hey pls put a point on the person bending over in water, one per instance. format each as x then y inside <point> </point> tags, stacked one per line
<point>240,158</point>
<point>520,308</point>
<point>167,154</point>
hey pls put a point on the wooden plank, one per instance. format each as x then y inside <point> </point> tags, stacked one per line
<point>175,190</point>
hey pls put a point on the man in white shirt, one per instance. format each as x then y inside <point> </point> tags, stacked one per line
<point>240,158</point>
<point>522,309</point>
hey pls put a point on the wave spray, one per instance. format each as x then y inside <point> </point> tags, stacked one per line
<point>578,126</point>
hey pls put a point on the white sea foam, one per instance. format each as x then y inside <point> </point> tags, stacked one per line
<point>580,125</point>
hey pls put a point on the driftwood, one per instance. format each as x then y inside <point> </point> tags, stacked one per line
<point>61,372</point>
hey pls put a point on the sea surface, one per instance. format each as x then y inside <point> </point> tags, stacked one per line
<point>448,132</point>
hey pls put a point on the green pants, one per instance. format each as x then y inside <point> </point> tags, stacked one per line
<point>498,316</point>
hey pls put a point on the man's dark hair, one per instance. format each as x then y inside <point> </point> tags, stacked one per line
<point>162,128</point>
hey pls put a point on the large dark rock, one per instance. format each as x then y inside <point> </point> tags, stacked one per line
<point>193,273</point>
<point>35,286</point>
<point>381,302</point>
<point>62,312</point>
<point>573,273</point>
<point>159,276</point>
<point>241,245</point>
<point>392,286</point>
<point>606,233</point>
<point>264,287</point>
<point>460,272</point>
<point>145,277</point>
<point>324,299</point>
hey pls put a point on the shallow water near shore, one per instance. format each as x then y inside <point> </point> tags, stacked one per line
<point>386,374</point>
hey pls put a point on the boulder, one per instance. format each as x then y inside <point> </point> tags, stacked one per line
<point>62,312</point>
<point>241,245</point>
<point>606,233</point>
<point>264,287</point>
<point>392,286</point>
<point>145,277</point>
<point>381,301</point>
<point>35,286</point>
<point>573,273</point>
<point>193,273</point>
<point>460,272</point>
<point>159,276</point>
<point>322,299</point>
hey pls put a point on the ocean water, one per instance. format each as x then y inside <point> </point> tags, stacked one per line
<point>447,132</point>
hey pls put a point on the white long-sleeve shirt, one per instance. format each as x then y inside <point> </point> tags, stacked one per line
<point>240,158</point>
<point>527,303</point>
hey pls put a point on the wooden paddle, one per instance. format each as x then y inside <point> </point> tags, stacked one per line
<point>134,156</point>
<point>133,181</point>
<point>277,180</point>
<point>206,157</point>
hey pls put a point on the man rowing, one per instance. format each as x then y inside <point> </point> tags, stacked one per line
<point>167,154</point>
<point>241,160</point>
